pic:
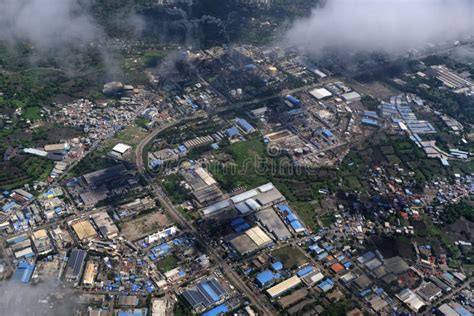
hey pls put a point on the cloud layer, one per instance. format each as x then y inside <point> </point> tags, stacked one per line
<point>389,25</point>
<point>47,23</point>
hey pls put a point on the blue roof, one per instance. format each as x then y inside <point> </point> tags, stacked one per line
<point>135,312</point>
<point>304,271</point>
<point>182,148</point>
<point>215,146</point>
<point>462,311</point>
<point>210,292</point>
<point>296,225</point>
<point>232,132</point>
<point>237,221</point>
<point>277,266</point>
<point>291,217</point>
<point>265,277</point>
<point>221,309</point>
<point>9,206</point>
<point>322,255</point>
<point>293,100</point>
<point>327,133</point>
<point>369,121</point>
<point>284,208</point>
<point>241,227</point>
<point>23,272</point>
<point>245,125</point>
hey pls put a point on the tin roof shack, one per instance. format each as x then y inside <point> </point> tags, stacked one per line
<point>106,225</point>
<point>75,266</point>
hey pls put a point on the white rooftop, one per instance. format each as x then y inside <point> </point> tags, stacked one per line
<point>320,93</point>
<point>121,148</point>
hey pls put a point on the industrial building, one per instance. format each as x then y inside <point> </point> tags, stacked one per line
<point>412,300</point>
<point>351,97</point>
<point>100,177</point>
<point>250,241</point>
<point>205,294</point>
<point>84,230</point>
<point>42,242</point>
<point>244,125</point>
<point>105,224</point>
<point>271,222</point>
<point>75,265</point>
<point>283,287</point>
<point>89,274</point>
<point>247,202</point>
<point>23,272</point>
<point>203,186</point>
<point>119,150</point>
<point>320,93</point>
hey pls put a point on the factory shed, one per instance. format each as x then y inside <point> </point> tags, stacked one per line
<point>320,94</point>
<point>23,272</point>
<point>75,264</point>
<point>244,125</point>
<point>218,310</point>
<point>284,286</point>
<point>264,278</point>
<point>205,294</point>
<point>304,271</point>
<point>121,148</point>
<point>351,97</point>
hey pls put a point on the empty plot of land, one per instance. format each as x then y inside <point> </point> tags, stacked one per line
<point>144,225</point>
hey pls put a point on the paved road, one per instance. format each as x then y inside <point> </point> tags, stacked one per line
<point>165,202</point>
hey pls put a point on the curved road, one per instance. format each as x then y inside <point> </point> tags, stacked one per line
<point>184,223</point>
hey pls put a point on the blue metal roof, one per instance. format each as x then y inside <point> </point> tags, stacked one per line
<point>369,121</point>
<point>304,271</point>
<point>327,133</point>
<point>221,309</point>
<point>232,132</point>
<point>23,272</point>
<point>293,100</point>
<point>277,266</point>
<point>245,125</point>
<point>264,277</point>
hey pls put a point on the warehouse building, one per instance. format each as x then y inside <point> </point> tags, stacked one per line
<point>119,150</point>
<point>247,202</point>
<point>271,222</point>
<point>75,265</point>
<point>320,93</point>
<point>251,241</point>
<point>84,230</point>
<point>23,272</point>
<point>205,294</point>
<point>89,274</point>
<point>283,287</point>
<point>100,177</point>
<point>106,225</point>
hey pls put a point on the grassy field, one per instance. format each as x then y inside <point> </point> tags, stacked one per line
<point>33,113</point>
<point>291,257</point>
<point>167,263</point>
